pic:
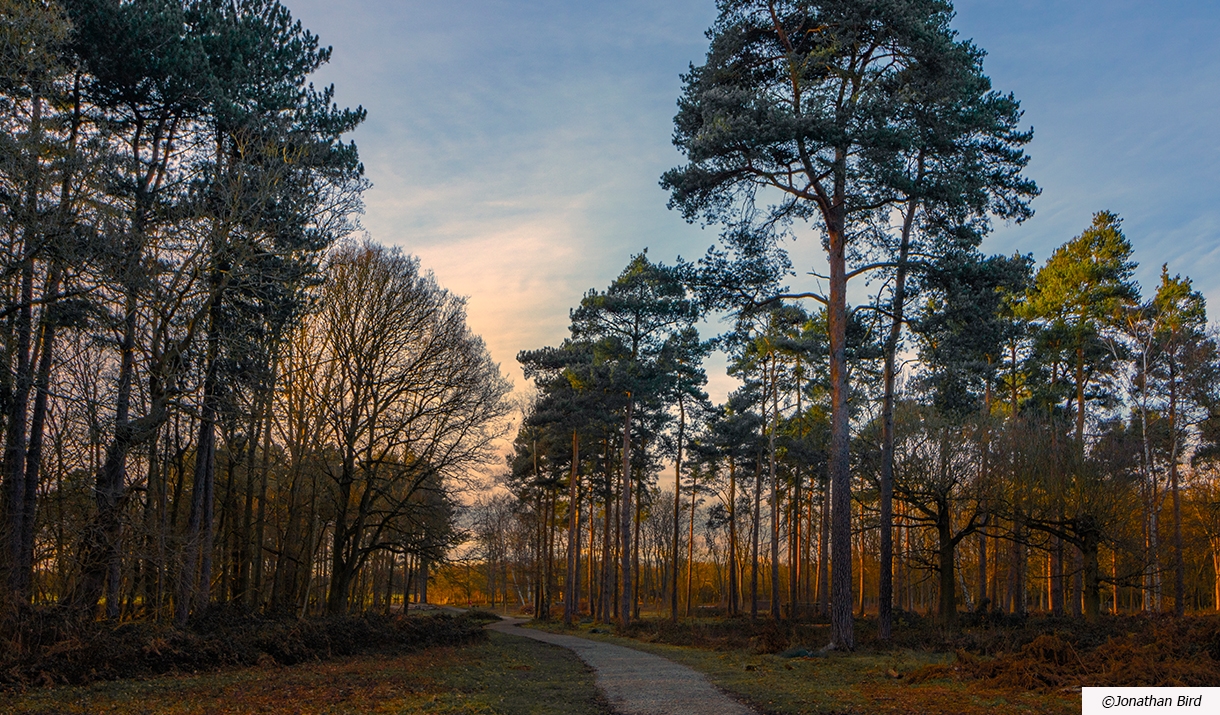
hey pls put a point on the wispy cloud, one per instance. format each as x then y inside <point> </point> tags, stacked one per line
<point>516,146</point>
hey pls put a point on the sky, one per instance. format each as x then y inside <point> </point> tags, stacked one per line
<point>516,147</point>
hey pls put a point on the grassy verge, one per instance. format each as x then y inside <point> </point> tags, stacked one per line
<point>862,682</point>
<point>501,675</point>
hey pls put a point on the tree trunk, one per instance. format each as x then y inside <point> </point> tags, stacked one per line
<point>673,602</point>
<point>18,491</point>
<point>626,591</point>
<point>824,551</point>
<point>948,593</point>
<point>754,538</point>
<point>734,589</point>
<point>1179,565</point>
<point>635,561</point>
<point>690,551</point>
<point>100,547</point>
<point>1090,550</point>
<point>1057,593</point>
<point>885,583</point>
<point>775,604</point>
<point>571,591</point>
<point>842,627</point>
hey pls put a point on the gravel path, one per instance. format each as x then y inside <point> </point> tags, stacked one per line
<point>638,683</point>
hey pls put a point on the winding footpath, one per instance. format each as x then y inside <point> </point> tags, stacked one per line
<point>638,683</point>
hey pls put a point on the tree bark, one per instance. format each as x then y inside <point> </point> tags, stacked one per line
<point>673,603</point>
<point>885,583</point>
<point>571,591</point>
<point>948,593</point>
<point>734,589</point>
<point>18,491</point>
<point>775,604</point>
<point>625,511</point>
<point>1179,565</point>
<point>754,527</point>
<point>842,626</point>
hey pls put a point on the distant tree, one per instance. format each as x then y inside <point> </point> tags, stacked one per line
<point>1079,295</point>
<point>1185,364</point>
<point>411,400</point>
<point>630,324</point>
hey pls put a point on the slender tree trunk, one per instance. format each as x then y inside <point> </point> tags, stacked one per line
<point>1179,564</point>
<point>1057,593</point>
<point>571,591</point>
<point>17,493</point>
<point>626,591</point>
<point>885,583</point>
<point>775,604</point>
<point>734,589</point>
<point>195,580</point>
<point>635,560</point>
<point>673,602</point>
<point>690,550</point>
<point>592,552</point>
<point>754,538</point>
<point>985,472</point>
<point>100,548</point>
<point>261,517</point>
<point>38,418</point>
<point>824,551</point>
<point>608,523</point>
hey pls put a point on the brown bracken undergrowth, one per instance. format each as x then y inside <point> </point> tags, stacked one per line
<point>1154,651</point>
<point>1004,652</point>
<point>47,649</point>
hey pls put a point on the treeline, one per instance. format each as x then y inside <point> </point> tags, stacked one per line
<point>978,433</point>
<point>210,393</point>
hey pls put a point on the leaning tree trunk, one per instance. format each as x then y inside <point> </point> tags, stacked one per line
<point>100,548</point>
<point>38,418</point>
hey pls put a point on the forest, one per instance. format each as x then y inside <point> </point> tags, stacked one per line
<point>987,433</point>
<point>217,391</point>
<point>214,390</point>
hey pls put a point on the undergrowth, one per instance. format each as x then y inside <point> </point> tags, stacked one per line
<point>1034,653</point>
<point>48,649</point>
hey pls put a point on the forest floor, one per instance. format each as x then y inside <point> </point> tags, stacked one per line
<point>502,675</point>
<point>842,683</point>
<point>638,683</point>
<point>1035,665</point>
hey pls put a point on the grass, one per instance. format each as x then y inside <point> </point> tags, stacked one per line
<point>842,683</point>
<point>501,675</point>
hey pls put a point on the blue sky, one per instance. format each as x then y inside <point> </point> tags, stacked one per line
<point>516,146</point>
